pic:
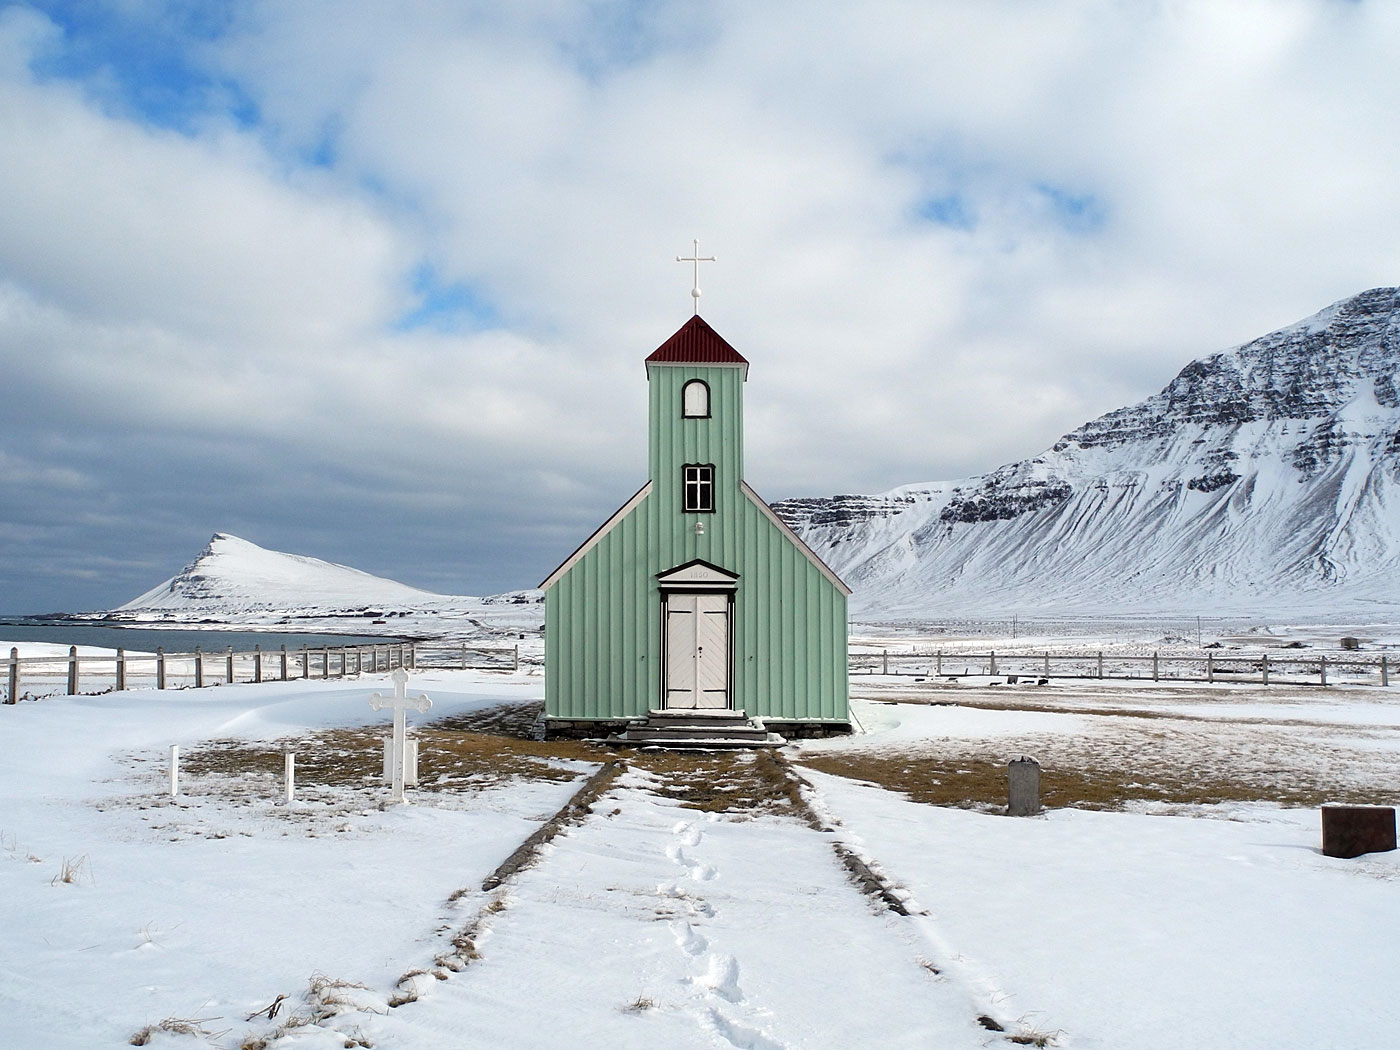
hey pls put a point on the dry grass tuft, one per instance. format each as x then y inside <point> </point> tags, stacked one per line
<point>716,781</point>
<point>177,1026</point>
<point>485,749</point>
<point>71,871</point>
<point>974,781</point>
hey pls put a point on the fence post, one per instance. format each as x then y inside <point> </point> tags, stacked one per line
<point>160,668</point>
<point>174,766</point>
<point>325,661</point>
<point>939,665</point>
<point>1047,664</point>
<point>515,663</point>
<point>289,769</point>
<point>305,662</point>
<point>284,663</point>
<point>359,660</point>
<point>884,660</point>
<point>1266,668</point>
<point>1385,672</point>
<point>1100,663</point>
<point>72,670</point>
<point>121,669</point>
<point>1210,667</point>
<point>992,660</point>
<point>1322,670</point>
<point>257,663</point>
<point>198,668</point>
<point>12,697</point>
<point>1154,666</point>
<point>230,665</point>
<point>413,657</point>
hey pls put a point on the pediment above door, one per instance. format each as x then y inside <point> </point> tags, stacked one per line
<point>698,574</point>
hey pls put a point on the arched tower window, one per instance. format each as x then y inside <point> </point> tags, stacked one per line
<point>695,399</point>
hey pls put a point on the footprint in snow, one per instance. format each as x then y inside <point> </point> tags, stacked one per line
<point>688,938</point>
<point>740,1036</point>
<point>722,977</point>
<point>687,832</point>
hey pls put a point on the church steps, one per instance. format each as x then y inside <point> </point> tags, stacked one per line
<point>698,729</point>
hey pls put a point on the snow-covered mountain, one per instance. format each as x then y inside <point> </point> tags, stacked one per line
<point>1261,480</point>
<point>237,583</point>
<point>233,575</point>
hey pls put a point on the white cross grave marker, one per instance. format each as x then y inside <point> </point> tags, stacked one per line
<point>400,702</point>
<point>697,259</point>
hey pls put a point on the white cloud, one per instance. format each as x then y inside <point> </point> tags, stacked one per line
<point>1125,186</point>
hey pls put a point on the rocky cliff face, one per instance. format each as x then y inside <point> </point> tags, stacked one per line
<point>1260,480</point>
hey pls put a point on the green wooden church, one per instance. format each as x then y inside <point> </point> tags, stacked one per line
<point>694,613</point>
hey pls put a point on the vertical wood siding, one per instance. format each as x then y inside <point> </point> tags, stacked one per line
<point>603,642</point>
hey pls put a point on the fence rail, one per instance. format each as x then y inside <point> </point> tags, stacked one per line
<point>35,676</point>
<point>1268,669</point>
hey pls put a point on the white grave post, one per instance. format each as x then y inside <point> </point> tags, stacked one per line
<point>400,702</point>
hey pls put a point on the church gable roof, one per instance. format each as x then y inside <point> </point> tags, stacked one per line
<point>793,538</point>
<point>696,343</point>
<point>598,534</point>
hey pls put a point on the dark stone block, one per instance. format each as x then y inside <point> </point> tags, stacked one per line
<point>1023,787</point>
<point>1350,831</point>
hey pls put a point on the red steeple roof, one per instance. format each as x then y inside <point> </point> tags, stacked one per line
<point>696,343</point>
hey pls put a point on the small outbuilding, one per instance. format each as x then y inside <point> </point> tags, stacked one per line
<point>695,604</point>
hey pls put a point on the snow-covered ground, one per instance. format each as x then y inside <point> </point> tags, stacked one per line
<point>652,924</point>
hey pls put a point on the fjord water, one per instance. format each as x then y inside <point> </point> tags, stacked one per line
<point>141,639</point>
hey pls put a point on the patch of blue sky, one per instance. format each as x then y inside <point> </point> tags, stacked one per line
<point>951,210</point>
<point>454,306</point>
<point>616,35</point>
<point>1076,212</point>
<point>143,60</point>
<point>324,150</point>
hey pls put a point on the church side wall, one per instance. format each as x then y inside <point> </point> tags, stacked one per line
<point>790,631</point>
<point>601,659</point>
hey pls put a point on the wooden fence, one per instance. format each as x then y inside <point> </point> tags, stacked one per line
<point>1268,669</point>
<point>34,676</point>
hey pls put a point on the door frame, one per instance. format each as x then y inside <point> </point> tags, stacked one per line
<point>697,577</point>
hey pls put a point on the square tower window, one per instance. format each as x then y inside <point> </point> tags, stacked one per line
<point>698,488</point>
<point>695,399</point>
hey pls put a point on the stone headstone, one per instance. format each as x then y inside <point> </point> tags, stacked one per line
<point>1023,787</point>
<point>1350,831</point>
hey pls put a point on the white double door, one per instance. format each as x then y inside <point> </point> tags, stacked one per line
<point>697,651</point>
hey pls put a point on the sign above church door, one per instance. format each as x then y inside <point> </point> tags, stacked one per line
<point>698,575</point>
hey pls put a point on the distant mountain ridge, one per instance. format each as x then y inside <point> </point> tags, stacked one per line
<point>233,576</point>
<point>1260,479</point>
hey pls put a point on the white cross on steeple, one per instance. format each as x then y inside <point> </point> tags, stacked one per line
<point>697,259</point>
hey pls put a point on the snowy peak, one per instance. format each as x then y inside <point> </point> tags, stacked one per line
<point>232,575</point>
<point>1341,355</point>
<point>1262,477</point>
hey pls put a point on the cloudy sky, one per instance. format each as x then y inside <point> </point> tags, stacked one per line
<point>373,281</point>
